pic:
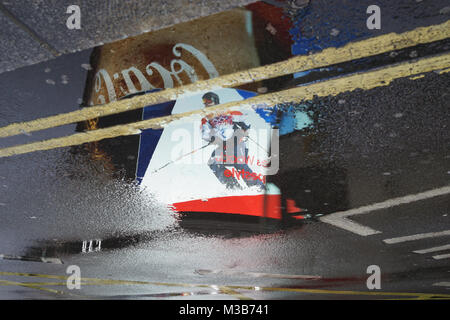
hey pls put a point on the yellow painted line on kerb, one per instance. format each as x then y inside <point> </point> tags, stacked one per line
<point>363,80</point>
<point>327,57</point>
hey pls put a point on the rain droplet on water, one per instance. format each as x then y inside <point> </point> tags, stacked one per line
<point>86,66</point>
<point>334,32</point>
<point>64,79</point>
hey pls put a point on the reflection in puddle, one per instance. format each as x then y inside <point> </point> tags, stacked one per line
<point>181,55</point>
<point>70,247</point>
<point>322,141</point>
<point>196,228</point>
<point>91,246</point>
<point>336,153</point>
<point>163,295</point>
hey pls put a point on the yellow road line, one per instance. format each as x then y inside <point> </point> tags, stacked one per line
<point>33,286</point>
<point>347,292</point>
<point>233,293</point>
<point>417,77</point>
<point>40,286</point>
<point>102,281</point>
<point>96,281</point>
<point>329,56</point>
<point>229,289</point>
<point>362,80</point>
<point>56,284</point>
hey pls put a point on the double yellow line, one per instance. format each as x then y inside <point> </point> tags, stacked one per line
<point>229,289</point>
<point>364,80</point>
<point>99,282</point>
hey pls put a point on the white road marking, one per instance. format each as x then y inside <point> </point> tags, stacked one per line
<point>417,237</point>
<point>339,219</point>
<point>442,284</point>
<point>434,249</point>
<point>442,256</point>
<point>342,222</point>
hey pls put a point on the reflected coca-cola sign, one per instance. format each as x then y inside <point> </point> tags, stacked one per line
<point>197,50</point>
<point>176,74</point>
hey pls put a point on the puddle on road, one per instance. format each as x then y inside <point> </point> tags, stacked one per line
<point>335,152</point>
<point>196,229</point>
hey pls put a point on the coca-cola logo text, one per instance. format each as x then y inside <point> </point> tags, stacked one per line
<point>179,72</point>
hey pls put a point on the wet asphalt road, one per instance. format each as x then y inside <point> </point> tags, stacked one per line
<point>387,143</point>
<point>171,261</point>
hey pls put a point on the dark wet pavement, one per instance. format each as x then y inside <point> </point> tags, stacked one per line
<point>365,147</point>
<point>53,201</point>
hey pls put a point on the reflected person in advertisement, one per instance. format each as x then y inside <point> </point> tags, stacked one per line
<point>228,130</point>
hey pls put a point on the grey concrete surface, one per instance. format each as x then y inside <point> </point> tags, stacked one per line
<point>18,48</point>
<point>322,23</point>
<point>101,22</point>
